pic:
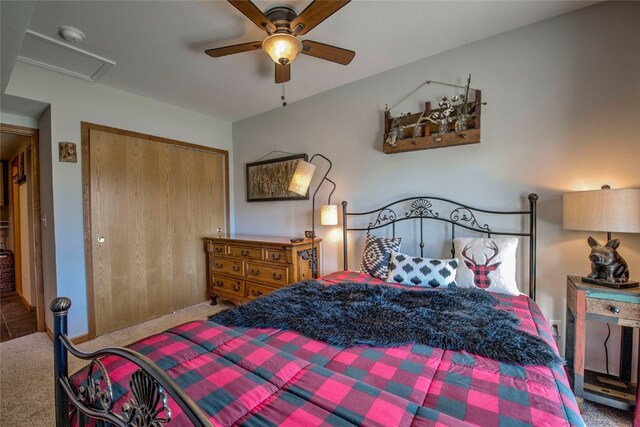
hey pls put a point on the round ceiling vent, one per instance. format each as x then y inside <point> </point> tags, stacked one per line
<point>71,34</point>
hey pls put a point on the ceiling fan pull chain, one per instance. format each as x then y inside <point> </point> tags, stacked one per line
<point>284,103</point>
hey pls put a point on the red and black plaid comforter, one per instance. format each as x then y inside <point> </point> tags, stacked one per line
<point>268,377</point>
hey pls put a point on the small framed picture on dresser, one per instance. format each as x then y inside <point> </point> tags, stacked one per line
<point>268,180</point>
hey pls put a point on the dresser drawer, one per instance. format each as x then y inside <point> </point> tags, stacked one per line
<point>255,290</point>
<point>227,285</point>
<point>245,252</point>
<point>216,248</point>
<point>276,255</point>
<point>278,275</point>
<point>619,309</point>
<point>227,266</point>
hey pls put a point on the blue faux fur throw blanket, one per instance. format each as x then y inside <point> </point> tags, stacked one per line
<point>349,314</point>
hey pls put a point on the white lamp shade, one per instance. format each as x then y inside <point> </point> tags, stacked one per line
<point>329,214</point>
<point>282,48</point>
<point>302,178</point>
<point>602,210</point>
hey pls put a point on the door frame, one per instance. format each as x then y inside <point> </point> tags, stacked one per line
<point>86,127</point>
<point>33,134</point>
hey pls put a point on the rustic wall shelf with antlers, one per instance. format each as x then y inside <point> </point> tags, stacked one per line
<point>450,125</point>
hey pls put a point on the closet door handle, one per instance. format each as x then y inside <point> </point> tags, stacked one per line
<point>277,276</point>
<point>101,239</point>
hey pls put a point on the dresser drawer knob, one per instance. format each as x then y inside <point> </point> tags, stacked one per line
<point>255,293</point>
<point>276,276</point>
<point>235,268</point>
<point>244,253</point>
<point>218,250</point>
<point>276,257</point>
<point>615,310</point>
<point>219,283</point>
<point>255,272</point>
<point>236,287</point>
<point>219,265</point>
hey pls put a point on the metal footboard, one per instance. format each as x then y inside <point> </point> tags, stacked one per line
<point>150,386</point>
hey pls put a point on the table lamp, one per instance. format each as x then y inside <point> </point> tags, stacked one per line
<point>610,211</point>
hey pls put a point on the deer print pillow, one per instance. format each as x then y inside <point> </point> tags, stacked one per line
<point>488,264</point>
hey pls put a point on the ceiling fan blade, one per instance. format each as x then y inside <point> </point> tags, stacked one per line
<point>328,52</point>
<point>315,13</point>
<point>252,12</point>
<point>236,48</point>
<point>283,73</point>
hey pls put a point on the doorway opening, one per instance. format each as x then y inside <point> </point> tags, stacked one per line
<point>21,281</point>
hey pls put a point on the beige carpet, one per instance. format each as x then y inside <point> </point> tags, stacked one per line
<point>26,366</point>
<point>26,372</point>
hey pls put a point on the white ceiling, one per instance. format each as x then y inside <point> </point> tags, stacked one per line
<point>158,46</point>
<point>10,104</point>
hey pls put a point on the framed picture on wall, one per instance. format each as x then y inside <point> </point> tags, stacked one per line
<point>4,180</point>
<point>17,169</point>
<point>21,171</point>
<point>268,180</point>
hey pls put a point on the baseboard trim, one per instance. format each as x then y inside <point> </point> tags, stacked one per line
<point>80,339</point>
<point>26,303</point>
<point>75,340</point>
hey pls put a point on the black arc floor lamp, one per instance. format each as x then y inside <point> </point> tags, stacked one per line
<point>300,183</point>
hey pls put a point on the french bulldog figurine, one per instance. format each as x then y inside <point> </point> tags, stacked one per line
<point>606,263</point>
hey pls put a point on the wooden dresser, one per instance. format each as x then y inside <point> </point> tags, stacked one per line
<point>243,267</point>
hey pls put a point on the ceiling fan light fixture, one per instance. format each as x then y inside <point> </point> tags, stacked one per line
<point>282,48</point>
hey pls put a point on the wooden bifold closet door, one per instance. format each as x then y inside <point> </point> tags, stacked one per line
<point>151,204</point>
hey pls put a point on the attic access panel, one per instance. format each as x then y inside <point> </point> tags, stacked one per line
<point>51,54</point>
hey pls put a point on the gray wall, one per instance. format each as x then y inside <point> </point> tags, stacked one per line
<point>72,101</point>
<point>563,106</point>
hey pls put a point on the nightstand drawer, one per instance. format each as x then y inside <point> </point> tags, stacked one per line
<point>245,252</point>
<point>227,285</point>
<point>255,290</point>
<point>268,273</point>
<point>227,266</point>
<point>619,309</point>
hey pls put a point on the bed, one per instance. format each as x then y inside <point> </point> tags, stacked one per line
<point>205,373</point>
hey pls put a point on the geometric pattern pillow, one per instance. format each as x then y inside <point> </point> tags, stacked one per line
<point>377,251</point>
<point>415,271</point>
<point>488,264</point>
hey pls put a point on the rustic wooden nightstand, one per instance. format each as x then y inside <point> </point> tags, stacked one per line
<point>601,304</point>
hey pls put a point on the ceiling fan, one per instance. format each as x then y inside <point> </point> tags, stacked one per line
<point>283,26</point>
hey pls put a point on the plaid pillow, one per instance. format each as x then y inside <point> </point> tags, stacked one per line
<point>377,251</point>
<point>415,271</point>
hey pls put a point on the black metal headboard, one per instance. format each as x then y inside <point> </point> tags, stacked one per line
<point>458,215</point>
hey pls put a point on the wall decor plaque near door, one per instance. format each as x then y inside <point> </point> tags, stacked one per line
<point>268,180</point>
<point>68,152</point>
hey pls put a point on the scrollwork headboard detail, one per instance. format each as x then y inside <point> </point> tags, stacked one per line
<point>423,208</point>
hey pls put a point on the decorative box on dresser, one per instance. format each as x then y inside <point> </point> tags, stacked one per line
<point>243,267</point>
